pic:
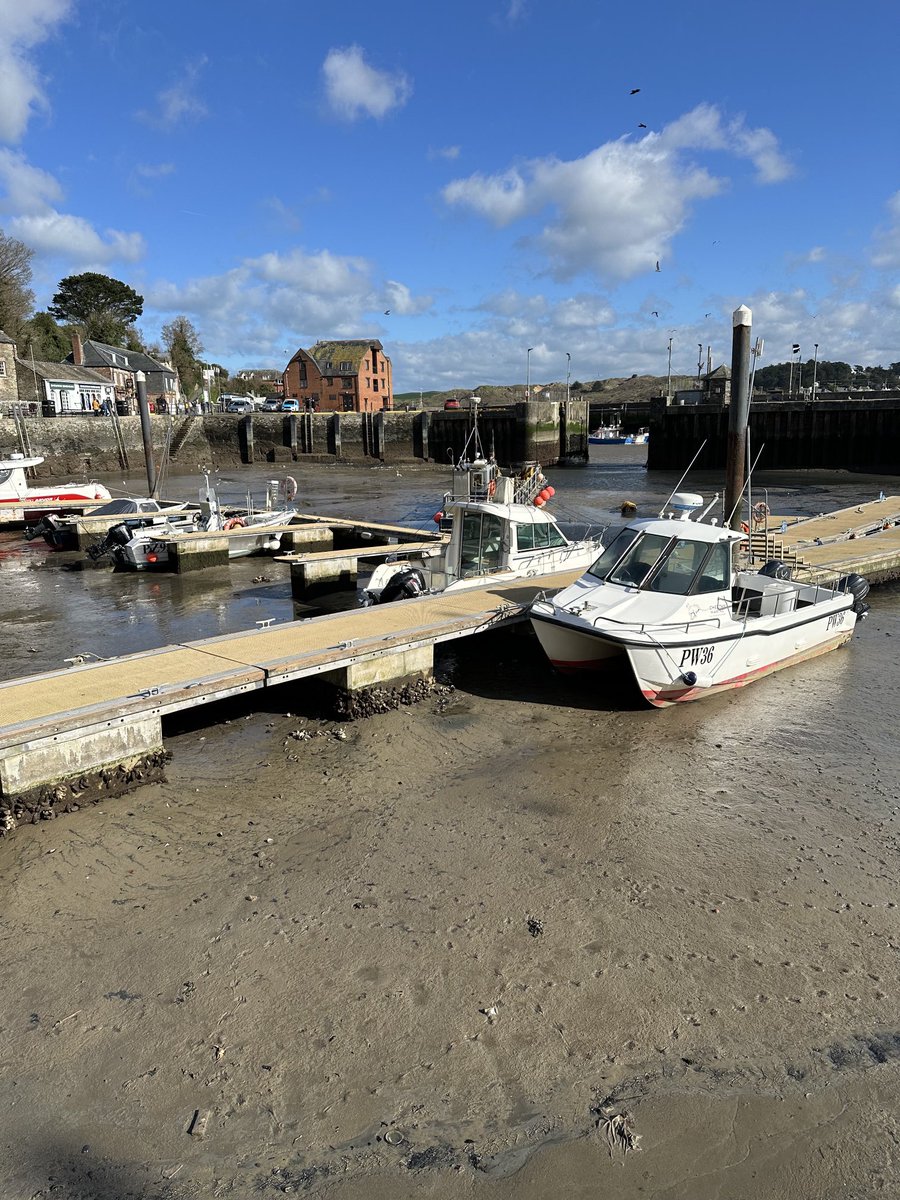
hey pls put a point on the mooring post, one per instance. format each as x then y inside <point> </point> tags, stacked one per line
<point>146,432</point>
<point>738,414</point>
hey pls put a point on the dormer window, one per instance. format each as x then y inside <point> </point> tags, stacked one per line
<point>346,366</point>
<point>328,366</point>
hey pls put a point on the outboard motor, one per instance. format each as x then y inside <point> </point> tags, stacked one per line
<point>405,585</point>
<point>36,531</point>
<point>118,535</point>
<point>858,587</point>
<point>775,569</point>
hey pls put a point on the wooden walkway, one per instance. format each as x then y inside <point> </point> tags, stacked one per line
<point>164,681</point>
<point>862,539</point>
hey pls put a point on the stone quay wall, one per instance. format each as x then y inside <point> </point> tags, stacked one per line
<point>547,432</point>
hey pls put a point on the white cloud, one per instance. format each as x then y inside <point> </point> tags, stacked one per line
<point>275,302</point>
<point>24,24</point>
<point>354,89</point>
<point>27,189</point>
<point>887,238</point>
<point>451,153</point>
<point>179,102</point>
<point>616,210</point>
<point>62,235</point>
<point>154,170</point>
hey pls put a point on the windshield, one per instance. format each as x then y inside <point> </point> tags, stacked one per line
<point>612,553</point>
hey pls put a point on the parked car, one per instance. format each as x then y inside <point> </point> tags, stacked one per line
<point>239,406</point>
<point>290,406</point>
<point>271,405</point>
<point>450,404</point>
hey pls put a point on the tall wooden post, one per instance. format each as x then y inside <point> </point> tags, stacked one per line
<point>738,414</point>
<point>146,431</point>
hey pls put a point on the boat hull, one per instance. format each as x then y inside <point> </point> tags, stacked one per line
<point>672,671</point>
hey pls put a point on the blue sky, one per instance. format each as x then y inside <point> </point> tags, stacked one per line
<point>466,181</point>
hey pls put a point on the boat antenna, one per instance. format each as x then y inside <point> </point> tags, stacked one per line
<point>744,488</point>
<point>682,479</point>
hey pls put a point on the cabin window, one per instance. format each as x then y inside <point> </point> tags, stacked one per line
<point>480,544</point>
<point>681,564</point>
<point>538,536</point>
<point>638,560</point>
<point>715,575</point>
<point>613,552</point>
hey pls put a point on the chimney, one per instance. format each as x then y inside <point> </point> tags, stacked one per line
<point>77,352</point>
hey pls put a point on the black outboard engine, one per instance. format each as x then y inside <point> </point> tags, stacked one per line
<point>858,587</point>
<point>118,535</point>
<point>35,531</point>
<point>775,569</point>
<point>405,585</point>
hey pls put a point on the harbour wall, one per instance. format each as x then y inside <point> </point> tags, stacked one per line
<point>548,432</point>
<point>852,435</point>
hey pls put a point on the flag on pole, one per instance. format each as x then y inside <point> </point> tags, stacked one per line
<point>796,347</point>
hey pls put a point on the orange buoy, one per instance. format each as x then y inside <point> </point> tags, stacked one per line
<point>544,494</point>
<point>539,502</point>
<point>551,490</point>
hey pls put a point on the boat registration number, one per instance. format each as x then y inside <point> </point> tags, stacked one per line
<point>835,619</point>
<point>697,656</point>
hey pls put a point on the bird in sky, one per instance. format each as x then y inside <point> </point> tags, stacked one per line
<point>657,264</point>
<point>641,125</point>
<point>634,91</point>
<point>387,312</point>
<point>707,314</point>
<point>654,313</point>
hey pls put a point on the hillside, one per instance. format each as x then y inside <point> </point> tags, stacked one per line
<point>625,390</point>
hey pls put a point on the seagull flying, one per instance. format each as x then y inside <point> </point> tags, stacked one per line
<point>654,313</point>
<point>641,125</point>
<point>387,312</point>
<point>634,91</point>
<point>707,314</point>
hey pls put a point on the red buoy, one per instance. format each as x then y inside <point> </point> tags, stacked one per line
<point>539,502</point>
<point>551,490</point>
<point>544,494</point>
<point>437,518</point>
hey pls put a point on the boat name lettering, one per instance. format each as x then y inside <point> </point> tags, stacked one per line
<point>697,656</point>
<point>835,619</point>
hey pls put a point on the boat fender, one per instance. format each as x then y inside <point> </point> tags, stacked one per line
<point>858,587</point>
<point>745,528</point>
<point>491,488</point>
<point>289,488</point>
<point>775,569</point>
<point>689,677</point>
<point>438,517</point>
<point>234,523</point>
<point>404,585</point>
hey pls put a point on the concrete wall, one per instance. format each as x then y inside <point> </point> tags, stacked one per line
<point>853,435</point>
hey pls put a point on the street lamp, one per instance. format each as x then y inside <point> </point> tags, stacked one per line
<point>815,368</point>
<point>669,375</point>
<point>528,372</point>
<point>568,373</point>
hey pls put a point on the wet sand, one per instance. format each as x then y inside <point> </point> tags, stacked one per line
<point>431,952</point>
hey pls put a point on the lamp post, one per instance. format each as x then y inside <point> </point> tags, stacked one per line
<point>146,431</point>
<point>815,368</point>
<point>669,375</point>
<point>568,373</point>
<point>699,362</point>
<point>528,372</point>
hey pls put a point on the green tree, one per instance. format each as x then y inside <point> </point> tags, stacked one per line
<point>183,344</point>
<point>16,296</point>
<point>44,339</point>
<point>103,308</point>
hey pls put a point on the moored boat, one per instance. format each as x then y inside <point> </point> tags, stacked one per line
<point>15,492</point>
<point>664,598</point>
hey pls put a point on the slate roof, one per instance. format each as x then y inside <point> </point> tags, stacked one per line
<point>7,341</point>
<point>62,371</point>
<point>99,354</point>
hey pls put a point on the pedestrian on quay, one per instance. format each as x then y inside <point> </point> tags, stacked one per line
<point>95,405</point>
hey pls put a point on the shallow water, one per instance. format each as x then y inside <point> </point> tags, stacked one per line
<point>57,606</point>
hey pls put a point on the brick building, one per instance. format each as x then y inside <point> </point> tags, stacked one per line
<point>9,393</point>
<point>352,376</point>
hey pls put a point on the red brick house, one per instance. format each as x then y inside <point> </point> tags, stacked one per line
<point>350,376</point>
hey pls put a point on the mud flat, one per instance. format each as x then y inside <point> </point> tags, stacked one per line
<point>439,951</point>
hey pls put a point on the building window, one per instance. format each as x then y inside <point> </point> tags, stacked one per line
<point>345,366</point>
<point>328,366</point>
<point>2,367</point>
<point>374,385</point>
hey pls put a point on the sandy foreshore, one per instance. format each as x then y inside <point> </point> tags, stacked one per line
<point>436,951</point>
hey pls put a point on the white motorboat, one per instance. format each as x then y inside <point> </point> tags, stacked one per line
<point>59,529</point>
<point>499,530</point>
<point>664,597</point>
<point>15,492</point>
<point>138,544</point>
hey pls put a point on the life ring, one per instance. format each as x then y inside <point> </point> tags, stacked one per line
<point>745,528</point>
<point>760,512</point>
<point>289,488</point>
<point>234,523</point>
<point>491,488</point>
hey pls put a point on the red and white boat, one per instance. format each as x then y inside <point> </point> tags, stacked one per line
<point>664,597</point>
<point>35,501</point>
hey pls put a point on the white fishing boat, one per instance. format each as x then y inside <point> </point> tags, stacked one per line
<point>665,598</point>
<point>139,544</point>
<point>15,492</point>
<point>499,529</point>
<point>59,529</point>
